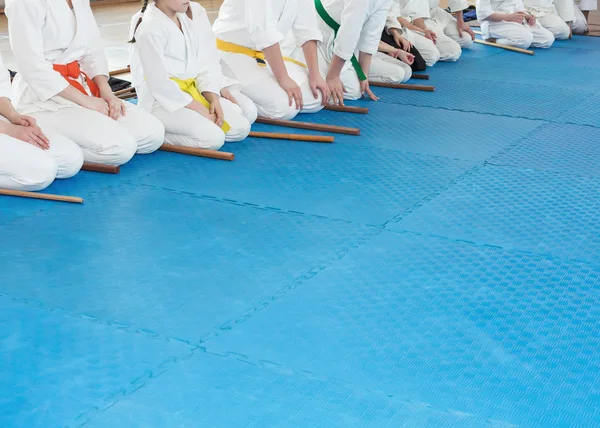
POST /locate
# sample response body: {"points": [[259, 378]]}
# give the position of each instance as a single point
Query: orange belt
{"points": [[71, 73]]}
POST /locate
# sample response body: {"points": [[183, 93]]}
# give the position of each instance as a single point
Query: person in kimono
{"points": [[348, 54], [508, 23], [449, 34], [579, 14], [548, 17], [63, 81], [259, 40], [31, 158], [400, 27], [182, 83]]}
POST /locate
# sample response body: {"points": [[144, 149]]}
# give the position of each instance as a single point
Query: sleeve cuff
{"points": [[266, 40]]}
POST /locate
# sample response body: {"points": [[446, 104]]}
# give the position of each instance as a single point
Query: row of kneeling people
{"points": [[201, 86]]}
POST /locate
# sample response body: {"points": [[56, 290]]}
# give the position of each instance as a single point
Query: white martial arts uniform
{"points": [[408, 9], [24, 166], [361, 24], [511, 33], [443, 24], [259, 24], [547, 15], [579, 23], [165, 52], [44, 33]]}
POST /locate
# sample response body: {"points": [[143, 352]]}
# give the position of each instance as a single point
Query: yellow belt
{"points": [[189, 86], [259, 56]]}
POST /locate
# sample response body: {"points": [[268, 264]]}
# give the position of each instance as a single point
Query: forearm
{"points": [[407, 24], [73, 95], [8, 111], [419, 24], [310, 55], [102, 82], [275, 61], [459, 17], [385, 48], [497, 17], [364, 59], [211, 97], [335, 68]]}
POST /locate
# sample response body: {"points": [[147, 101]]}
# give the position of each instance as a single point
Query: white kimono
{"points": [[27, 167], [572, 11], [548, 16], [258, 24], [209, 50], [443, 25], [511, 33], [47, 32], [409, 10], [361, 24], [165, 52]]}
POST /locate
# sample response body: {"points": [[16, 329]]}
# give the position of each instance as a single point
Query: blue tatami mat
{"points": [[534, 211], [442, 269], [343, 181], [568, 149], [228, 391], [56, 368], [488, 334], [160, 257]]}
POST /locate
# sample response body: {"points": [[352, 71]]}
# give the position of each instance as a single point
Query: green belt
{"points": [[335, 27]]}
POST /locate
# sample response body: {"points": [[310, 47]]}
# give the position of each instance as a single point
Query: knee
{"points": [[579, 27], [213, 140], [70, 162], [431, 56], [278, 108], [522, 40], [39, 175], [120, 152], [451, 51], [239, 130], [250, 112], [546, 41], [312, 104], [465, 41], [153, 138], [563, 33]]}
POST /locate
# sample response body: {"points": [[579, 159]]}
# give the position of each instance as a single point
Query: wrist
{"points": [[14, 117]]}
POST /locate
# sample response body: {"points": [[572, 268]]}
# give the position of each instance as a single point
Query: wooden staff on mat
{"points": [[120, 71], [125, 91], [508, 48], [205, 153], [99, 167], [293, 137], [420, 76], [403, 86], [45, 196], [347, 109], [312, 126]]}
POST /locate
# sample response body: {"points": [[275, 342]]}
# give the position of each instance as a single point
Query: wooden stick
{"points": [[120, 71], [214, 154], [45, 196], [403, 86], [420, 76], [508, 48], [99, 167], [124, 91], [312, 126], [476, 32], [347, 109], [293, 137]]}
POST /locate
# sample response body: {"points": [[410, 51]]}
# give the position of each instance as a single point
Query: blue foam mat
{"points": [[517, 209], [57, 368], [489, 334], [156, 257], [568, 149], [216, 385], [343, 180], [283, 289]]}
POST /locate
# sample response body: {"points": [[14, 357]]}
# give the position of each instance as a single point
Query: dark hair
{"points": [[144, 7]]}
